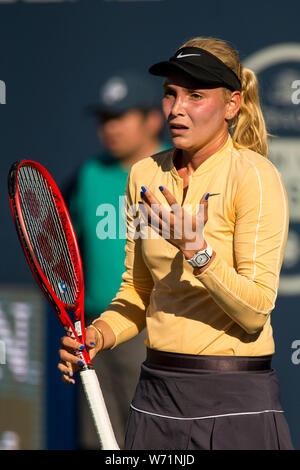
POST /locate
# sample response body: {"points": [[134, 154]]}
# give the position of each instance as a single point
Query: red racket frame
{"points": [[58, 306]]}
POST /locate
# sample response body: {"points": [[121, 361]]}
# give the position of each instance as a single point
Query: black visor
{"points": [[201, 65]]}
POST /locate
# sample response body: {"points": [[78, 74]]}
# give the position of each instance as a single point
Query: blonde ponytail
{"points": [[248, 128]]}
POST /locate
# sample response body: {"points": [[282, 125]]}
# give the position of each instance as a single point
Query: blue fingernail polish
{"points": [[68, 373], [207, 196], [80, 362], [81, 347], [92, 343], [142, 195], [143, 189], [161, 188]]}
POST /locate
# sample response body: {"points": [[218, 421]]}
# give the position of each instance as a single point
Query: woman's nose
{"points": [[178, 106]]}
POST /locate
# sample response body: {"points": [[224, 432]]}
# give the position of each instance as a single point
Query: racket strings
{"points": [[47, 234], [51, 226], [34, 230]]}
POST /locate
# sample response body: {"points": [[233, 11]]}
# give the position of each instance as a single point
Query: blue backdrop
{"points": [[54, 56]]}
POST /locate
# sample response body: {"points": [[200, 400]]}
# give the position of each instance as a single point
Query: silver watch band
{"points": [[201, 258]]}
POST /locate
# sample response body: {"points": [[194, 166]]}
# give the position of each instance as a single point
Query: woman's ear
{"points": [[233, 105]]}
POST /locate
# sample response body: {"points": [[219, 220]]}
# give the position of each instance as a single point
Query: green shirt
{"points": [[100, 181]]}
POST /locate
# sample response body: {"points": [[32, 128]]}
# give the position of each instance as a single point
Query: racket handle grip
{"points": [[98, 409]]}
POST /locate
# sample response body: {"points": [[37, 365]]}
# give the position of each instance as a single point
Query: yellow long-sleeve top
{"points": [[226, 309]]}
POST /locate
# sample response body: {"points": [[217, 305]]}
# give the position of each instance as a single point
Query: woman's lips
{"points": [[177, 128]]}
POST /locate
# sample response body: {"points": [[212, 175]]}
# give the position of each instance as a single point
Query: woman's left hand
{"points": [[178, 226]]}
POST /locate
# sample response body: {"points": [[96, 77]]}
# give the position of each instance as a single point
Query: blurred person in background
{"points": [[129, 127]]}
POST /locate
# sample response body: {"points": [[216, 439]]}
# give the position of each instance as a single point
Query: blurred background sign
{"points": [[22, 376]]}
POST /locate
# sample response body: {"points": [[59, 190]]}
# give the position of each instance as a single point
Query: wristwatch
{"points": [[201, 258]]}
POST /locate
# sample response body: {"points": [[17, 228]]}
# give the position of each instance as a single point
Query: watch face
{"points": [[201, 259]]}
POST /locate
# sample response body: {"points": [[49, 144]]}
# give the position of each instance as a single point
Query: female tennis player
{"points": [[202, 276]]}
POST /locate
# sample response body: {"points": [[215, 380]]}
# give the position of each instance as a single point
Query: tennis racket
{"points": [[49, 242]]}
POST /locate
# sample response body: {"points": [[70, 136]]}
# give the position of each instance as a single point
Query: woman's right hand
{"points": [[69, 361], [95, 341]]}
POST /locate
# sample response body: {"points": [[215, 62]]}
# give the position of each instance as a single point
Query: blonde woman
{"points": [[204, 287]]}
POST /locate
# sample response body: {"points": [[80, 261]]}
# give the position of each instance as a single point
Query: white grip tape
{"points": [[97, 405]]}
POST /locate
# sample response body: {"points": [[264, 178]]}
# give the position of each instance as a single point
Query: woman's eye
{"points": [[196, 96]]}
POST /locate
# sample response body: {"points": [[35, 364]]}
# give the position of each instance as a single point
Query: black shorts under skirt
{"points": [[207, 410]]}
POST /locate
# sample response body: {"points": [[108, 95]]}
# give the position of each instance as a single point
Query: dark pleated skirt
{"points": [[206, 410]]}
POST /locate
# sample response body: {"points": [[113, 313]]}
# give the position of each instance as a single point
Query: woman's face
{"points": [[195, 116]]}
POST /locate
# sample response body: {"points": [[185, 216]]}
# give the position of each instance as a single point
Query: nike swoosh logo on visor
{"points": [[185, 55]]}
